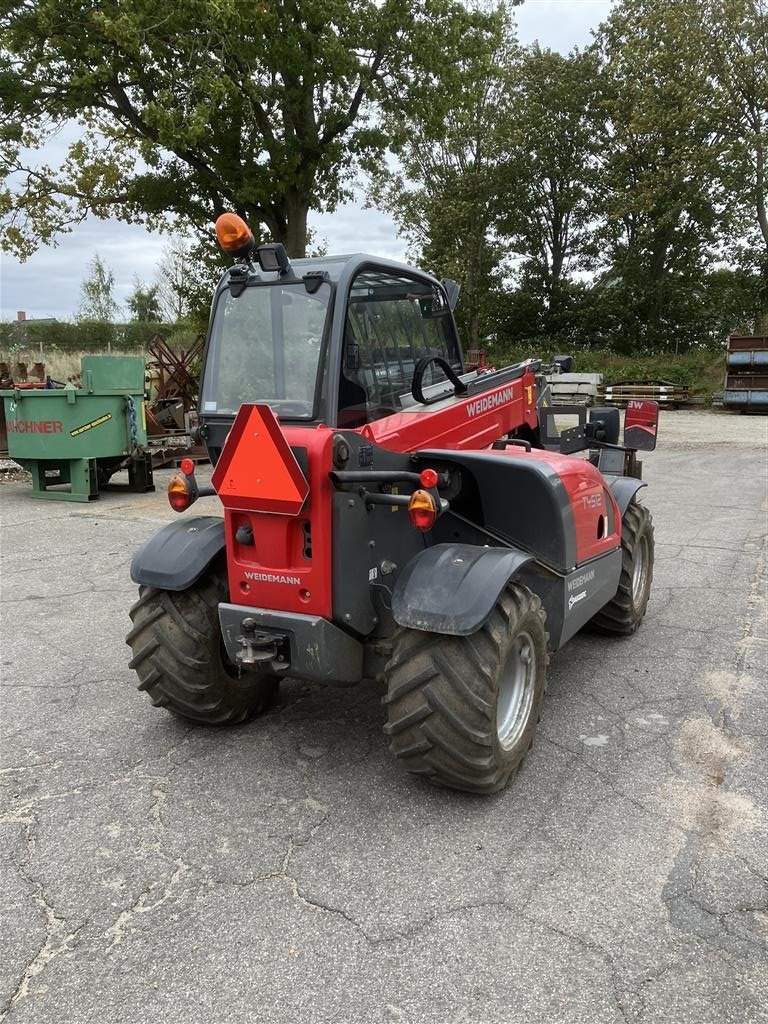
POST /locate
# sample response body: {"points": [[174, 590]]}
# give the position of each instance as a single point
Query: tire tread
{"points": [[620, 617], [441, 698], [176, 653]]}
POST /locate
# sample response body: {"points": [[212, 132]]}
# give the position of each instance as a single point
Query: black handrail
{"points": [[459, 387]]}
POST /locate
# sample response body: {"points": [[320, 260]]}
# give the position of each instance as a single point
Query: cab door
{"points": [[392, 320]]}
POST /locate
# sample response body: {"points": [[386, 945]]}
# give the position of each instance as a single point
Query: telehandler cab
{"points": [[387, 515]]}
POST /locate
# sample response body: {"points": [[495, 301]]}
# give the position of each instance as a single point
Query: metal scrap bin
{"points": [[746, 374], [68, 435]]}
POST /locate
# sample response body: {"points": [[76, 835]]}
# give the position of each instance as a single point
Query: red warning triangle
{"points": [[257, 471]]}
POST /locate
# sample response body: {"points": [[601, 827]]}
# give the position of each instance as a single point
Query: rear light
{"points": [[187, 467], [422, 509], [179, 493], [428, 478]]}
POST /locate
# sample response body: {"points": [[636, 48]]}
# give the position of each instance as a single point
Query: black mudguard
{"points": [[452, 588], [523, 500], [623, 488], [176, 556]]}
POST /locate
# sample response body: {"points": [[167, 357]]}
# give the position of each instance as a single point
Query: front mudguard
{"points": [[623, 488], [453, 588], [177, 556]]}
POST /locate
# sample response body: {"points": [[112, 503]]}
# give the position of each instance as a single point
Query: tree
{"points": [[172, 279], [551, 173], [97, 300], [666, 202], [444, 195], [263, 108], [143, 302], [185, 279], [735, 47], [730, 300]]}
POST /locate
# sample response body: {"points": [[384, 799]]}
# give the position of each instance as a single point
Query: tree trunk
{"points": [[557, 261], [762, 214], [285, 221], [473, 330], [653, 300], [761, 319], [761, 313], [296, 211], [471, 298]]}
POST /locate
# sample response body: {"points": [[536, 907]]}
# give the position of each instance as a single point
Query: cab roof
{"points": [[346, 266]]}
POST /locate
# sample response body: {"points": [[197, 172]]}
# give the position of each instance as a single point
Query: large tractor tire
{"points": [[179, 655], [462, 711], [624, 613]]}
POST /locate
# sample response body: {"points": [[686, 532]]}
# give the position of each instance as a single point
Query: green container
{"points": [[60, 430]]}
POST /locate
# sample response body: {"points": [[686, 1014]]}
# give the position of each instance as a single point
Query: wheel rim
{"points": [[639, 570], [516, 691]]}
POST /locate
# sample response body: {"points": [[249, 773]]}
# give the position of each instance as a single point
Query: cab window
{"points": [[392, 321]]}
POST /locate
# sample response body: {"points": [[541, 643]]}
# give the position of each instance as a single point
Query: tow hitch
{"points": [[261, 649]]}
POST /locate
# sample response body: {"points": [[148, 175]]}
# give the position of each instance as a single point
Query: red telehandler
{"points": [[387, 515]]}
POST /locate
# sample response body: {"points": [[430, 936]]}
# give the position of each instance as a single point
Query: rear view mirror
{"points": [[452, 289], [641, 424]]}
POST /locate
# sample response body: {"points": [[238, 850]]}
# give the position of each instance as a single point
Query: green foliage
{"points": [[664, 193], [97, 300], [79, 337], [703, 372], [734, 46], [551, 175], [263, 107], [182, 337], [446, 195], [186, 277], [586, 200], [143, 302], [668, 133], [591, 316]]}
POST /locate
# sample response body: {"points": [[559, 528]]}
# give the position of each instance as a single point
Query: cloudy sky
{"points": [[48, 284]]}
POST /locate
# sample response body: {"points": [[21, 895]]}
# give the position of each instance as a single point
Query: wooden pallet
{"points": [[665, 392]]}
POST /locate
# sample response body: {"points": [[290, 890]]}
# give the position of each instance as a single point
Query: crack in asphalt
{"points": [[157, 785], [19, 768], [417, 928], [123, 922], [652, 812], [60, 594], [56, 941]]}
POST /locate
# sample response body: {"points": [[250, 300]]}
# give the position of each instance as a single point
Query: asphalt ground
{"points": [[288, 871]]}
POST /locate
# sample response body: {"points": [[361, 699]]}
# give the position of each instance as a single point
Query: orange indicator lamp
{"points": [[422, 510], [179, 493]]}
